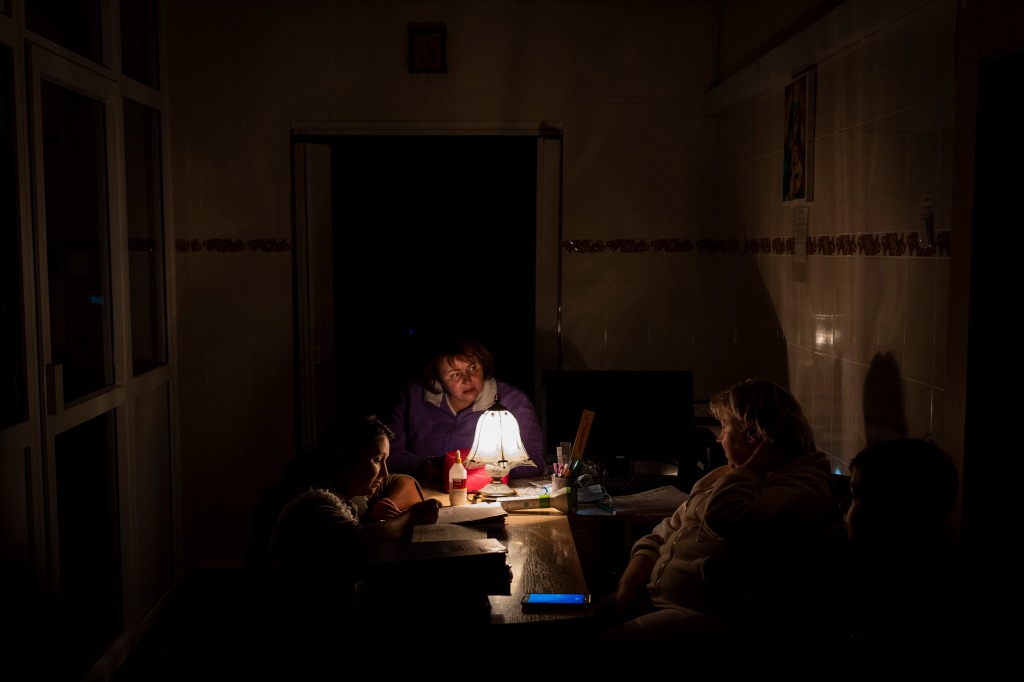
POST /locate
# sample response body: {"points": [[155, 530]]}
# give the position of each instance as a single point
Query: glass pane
{"points": [[74, 25], [12, 322], [78, 246], [139, 47], [145, 236], [88, 542]]}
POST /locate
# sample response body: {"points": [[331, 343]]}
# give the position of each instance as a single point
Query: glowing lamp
{"points": [[497, 446]]}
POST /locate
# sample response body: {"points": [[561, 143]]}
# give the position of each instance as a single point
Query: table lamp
{"points": [[498, 446]]}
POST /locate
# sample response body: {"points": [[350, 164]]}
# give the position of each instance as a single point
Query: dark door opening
{"points": [[433, 234]]}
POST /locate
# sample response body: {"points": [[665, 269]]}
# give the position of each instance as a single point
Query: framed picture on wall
{"points": [[798, 152], [428, 47]]}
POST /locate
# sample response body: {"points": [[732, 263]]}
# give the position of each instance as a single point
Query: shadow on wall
{"points": [[885, 416], [569, 356], [746, 337]]}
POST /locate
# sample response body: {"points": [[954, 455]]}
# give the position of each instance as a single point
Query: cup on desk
{"points": [[569, 485]]}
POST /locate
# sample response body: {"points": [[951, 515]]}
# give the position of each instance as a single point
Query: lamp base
{"points": [[497, 489]]}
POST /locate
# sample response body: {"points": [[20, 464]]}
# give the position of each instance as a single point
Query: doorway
{"points": [[407, 231], [433, 235]]}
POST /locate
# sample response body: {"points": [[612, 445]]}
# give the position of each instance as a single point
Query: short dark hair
{"points": [[459, 348], [350, 436]]}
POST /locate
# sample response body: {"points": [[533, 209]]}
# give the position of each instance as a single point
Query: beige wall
{"points": [[630, 84]]}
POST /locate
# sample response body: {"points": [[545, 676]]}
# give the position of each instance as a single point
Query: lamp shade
{"points": [[498, 446]]}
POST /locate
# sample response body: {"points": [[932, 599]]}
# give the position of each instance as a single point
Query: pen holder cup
{"points": [[570, 485]]}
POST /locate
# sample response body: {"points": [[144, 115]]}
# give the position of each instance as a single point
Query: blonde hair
{"points": [[762, 407]]}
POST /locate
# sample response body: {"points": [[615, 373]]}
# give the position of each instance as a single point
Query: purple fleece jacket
{"points": [[425, 427]]}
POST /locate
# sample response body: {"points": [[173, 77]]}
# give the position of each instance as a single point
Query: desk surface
{"points": [[543, 558]]}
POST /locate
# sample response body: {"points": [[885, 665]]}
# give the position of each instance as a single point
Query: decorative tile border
{"points": [[232, 245], [881, 244], [626, 245]]}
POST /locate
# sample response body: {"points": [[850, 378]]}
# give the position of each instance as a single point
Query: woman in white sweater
{"points": [[753, 543]]}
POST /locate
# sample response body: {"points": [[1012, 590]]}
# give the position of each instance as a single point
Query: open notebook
{"points": [[482, 513]]}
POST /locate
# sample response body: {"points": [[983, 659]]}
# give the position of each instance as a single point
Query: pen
{"points": [[607, 507]]}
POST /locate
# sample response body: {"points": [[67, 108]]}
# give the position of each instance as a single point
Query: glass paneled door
{"points": [[89, 495], [75, 146], [106, 464]]}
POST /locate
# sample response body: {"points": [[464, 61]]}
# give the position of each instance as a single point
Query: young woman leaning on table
{"points": [[311, 529]]}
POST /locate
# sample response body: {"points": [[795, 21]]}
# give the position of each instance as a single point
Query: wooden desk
{"points": [[603, 543], [542, 556]]}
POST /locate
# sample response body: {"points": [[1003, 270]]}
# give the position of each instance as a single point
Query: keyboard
{"points": [[630, 484]]}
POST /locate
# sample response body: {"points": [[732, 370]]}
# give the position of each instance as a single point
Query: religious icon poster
{"points": [[798, 152]]}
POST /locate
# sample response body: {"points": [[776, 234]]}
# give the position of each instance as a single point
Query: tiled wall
{"points": [[865, 320], [858, 330]]}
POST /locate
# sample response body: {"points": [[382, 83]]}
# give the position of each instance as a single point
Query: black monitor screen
{"points": [[638, 415]]}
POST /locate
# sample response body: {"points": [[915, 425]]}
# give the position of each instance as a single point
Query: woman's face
{"points": [[369, 470], [463, 381], [738, 444]]}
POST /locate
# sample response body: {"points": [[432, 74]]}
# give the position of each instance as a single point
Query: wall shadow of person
{"points": [[885, 415]]}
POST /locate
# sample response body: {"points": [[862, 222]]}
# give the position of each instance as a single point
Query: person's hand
{"points": [[433, 470], [626, 597], [385, 508], [628, 592], [768, 457], [425, 512]]}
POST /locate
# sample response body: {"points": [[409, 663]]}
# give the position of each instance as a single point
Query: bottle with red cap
{"points": [[457, 482]]}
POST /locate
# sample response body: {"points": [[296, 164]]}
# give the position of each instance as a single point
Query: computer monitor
{"points": [[639, 415]]}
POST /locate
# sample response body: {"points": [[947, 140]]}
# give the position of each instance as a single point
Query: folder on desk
{"points": [[481, 566]]}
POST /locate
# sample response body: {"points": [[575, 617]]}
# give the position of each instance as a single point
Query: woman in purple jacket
{"points": [[439, 413]]}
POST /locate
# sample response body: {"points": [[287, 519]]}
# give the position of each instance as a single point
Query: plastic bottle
{"points": [[457, 482]]}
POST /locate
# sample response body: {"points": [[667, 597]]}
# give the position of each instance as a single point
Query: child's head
{"points": [[349, 443], [899, 487]]}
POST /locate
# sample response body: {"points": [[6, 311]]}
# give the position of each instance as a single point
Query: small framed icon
{"points": [[428, 47]]}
